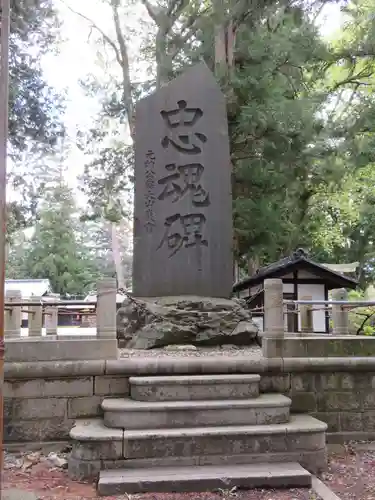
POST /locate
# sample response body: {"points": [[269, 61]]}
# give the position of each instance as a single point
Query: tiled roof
{"points": [[299, 258]]}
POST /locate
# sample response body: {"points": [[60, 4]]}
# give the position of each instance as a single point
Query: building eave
{"points": [[333, 278]]}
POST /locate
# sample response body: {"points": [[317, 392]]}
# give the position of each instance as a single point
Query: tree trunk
{"points": [[116, 254], [252, 265]]}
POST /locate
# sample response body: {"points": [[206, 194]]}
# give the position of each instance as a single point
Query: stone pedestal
{"points": [[201, 321]]}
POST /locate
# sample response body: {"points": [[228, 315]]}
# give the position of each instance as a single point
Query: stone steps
{"points": [[190, 433], [302, 433], [208, 478], [194, 387], [129, 414], [96, 446]]}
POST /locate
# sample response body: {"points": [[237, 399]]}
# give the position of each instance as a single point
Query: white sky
{"points": [[77, 58]]}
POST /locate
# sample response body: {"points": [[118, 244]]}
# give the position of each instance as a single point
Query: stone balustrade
{"points": [[306, 343], [35, 344], [44, 313], [275, 309]]}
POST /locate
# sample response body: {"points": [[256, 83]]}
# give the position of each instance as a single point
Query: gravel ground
{"points": [[191, 351], [46, 476], [54, 485], [351, 472]]}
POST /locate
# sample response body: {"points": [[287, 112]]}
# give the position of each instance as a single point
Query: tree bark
{"points": [[116, 253]]}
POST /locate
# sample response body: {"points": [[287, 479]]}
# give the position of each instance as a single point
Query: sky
{"points": [[77, 58]]}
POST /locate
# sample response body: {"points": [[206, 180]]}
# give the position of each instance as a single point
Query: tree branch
{"points": [[353, 80], [126, 83], [98, 29], [368, 316], [192, 24], [151, 11]]}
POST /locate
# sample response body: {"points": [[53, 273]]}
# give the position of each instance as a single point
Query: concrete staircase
{"points": [[196, 433]]}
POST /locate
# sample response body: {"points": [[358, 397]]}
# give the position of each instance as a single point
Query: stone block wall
{"points": [[44, 409], [344, 400], [42, 400]]}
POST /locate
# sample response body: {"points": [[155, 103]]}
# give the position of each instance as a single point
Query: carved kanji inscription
{"points": [[183, 218]]}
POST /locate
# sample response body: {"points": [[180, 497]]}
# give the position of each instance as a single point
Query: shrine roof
{"points": [[299, 260]]}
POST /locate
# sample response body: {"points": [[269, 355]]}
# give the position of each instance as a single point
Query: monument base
{"points": [[52, 349], [201, 321]]}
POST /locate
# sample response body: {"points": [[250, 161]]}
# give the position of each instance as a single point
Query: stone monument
{"points": [[183, 264], [183, 204]]}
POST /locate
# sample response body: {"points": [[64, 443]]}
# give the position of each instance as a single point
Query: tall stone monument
{"points": [[183, 202]]}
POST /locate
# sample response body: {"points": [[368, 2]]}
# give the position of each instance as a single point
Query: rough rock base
{"points": [[199, 321]]}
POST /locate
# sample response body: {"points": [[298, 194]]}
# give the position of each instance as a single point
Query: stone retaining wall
{"points": [[43, 399]]}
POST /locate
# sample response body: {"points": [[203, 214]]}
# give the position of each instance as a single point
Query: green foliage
{"points": [[53, 251], [361, 319], [301, 113], [35, 109], [277, 137]]}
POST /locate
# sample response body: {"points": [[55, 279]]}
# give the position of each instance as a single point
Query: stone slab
{"points": [[322, 490], [301, 433], [53, 369], [15, 494], [108, 385], [85, 407], [130, 414], [180, 365], [208, 478], [35, 408], [92, 441], [51, 429], [314, 461], [194, 387], [183, 232], [49, 388], [319, 346], [94, 430], [47, 349]]}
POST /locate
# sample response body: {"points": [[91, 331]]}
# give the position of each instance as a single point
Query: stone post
{"points": [[340, 316], [35, 318], [273, 308], [273, 318], [291, 315], [13, 315], [306, 315], [50, 320], [106, 308]]}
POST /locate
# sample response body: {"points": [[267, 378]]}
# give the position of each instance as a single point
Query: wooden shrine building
{"points": [[302, 277]]}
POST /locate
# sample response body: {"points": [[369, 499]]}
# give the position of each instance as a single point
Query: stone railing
{"points": [[276, 309], [306, 343], [52, 345], [338, 309]]}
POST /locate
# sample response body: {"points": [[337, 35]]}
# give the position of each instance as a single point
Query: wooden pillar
{"points": [[35, 318], [106, 308], [13, 316], [340, 316]]}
